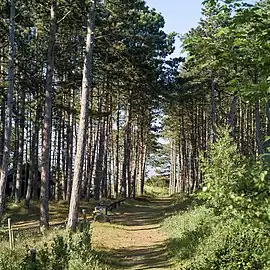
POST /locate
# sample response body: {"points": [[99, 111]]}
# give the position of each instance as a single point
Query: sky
{"points": [[180, 15]]}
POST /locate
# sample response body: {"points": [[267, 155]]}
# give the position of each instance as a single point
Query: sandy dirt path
{"points": [[133, 239]]}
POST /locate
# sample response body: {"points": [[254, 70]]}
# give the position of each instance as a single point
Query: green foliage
{"points": [[233, 184], [202, 240], [68, 251], [157, 181], [187, 231], [230, 230], [156, 185], [60, 254], [10, 260]]}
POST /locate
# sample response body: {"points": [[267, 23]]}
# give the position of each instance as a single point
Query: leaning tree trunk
{"points": [[81, 142], [8, 119], [46, 140]]}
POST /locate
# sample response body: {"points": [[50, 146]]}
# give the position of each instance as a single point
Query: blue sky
{"points": [[180, 15]]}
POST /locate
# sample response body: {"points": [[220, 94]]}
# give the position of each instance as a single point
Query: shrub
{"points": [[232, 183], [157, 181], [202, 240], [68, 251], [231, 230]]}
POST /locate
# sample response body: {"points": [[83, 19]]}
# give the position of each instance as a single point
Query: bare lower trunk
{"points": [[20, 152], [232, 116], [86, 88], [213, 103], [8, 119], [258, 128], [46, 140], [32, 182], [268, 117], [116, 185], [99, 179], [69, 157], [2, 136], [91, 169]]}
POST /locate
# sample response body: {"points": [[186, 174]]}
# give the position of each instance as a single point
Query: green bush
{"points": [[68, 251], [233, 245], [202, 240], [157, 181], [234, 184], [230, 231]]}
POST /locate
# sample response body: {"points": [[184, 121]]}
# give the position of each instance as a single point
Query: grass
{"points": [[132, 239], [156, 191], [200, 239], [23, 218]]}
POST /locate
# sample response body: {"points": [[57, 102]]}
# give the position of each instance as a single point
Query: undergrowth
{"points": [[65, 251], [156, 186], [229, 228]]}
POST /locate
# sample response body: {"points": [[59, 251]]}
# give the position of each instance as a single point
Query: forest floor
{"points": [[134, 239], [24, 219]]}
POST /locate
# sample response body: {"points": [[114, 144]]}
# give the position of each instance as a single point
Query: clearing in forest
{"points": [[133, 239]]}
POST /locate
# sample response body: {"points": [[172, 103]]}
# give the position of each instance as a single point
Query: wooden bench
{"points": [[103, 206]]}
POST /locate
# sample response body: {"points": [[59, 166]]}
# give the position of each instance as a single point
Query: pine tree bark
{"points": [[20, 150], [214, 113], [258, 128], [81, 143], [8, 119], [268, 116], [32, 190], [116, 184], [2, 135], [232, 116], [46, 140]]}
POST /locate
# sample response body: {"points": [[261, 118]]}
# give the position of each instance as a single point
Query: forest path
{"points": [[133, 239]]}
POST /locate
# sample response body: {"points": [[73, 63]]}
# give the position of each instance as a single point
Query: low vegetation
{"points": [[229, 228], [57, 249], [156, 186]]}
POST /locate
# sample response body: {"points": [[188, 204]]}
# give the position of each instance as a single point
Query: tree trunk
{"points": [[231, 117], [46, 140], [116, 184], [214, 113], [2, 136], [8, 119], [58, 174], [258, 128], [32, 187], [268, 116], [86, 88], [99, 179], [93, 156], [15, 155], [20, 151], [69, 158]]}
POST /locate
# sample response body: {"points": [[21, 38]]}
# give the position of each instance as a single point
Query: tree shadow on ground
{"points": [[185, 247], [153, 257], [137, 213], [142, 217]]}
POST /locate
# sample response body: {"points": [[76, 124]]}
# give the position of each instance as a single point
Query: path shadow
{"points": [[141, 217], [133, 213], [141, 258]]}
